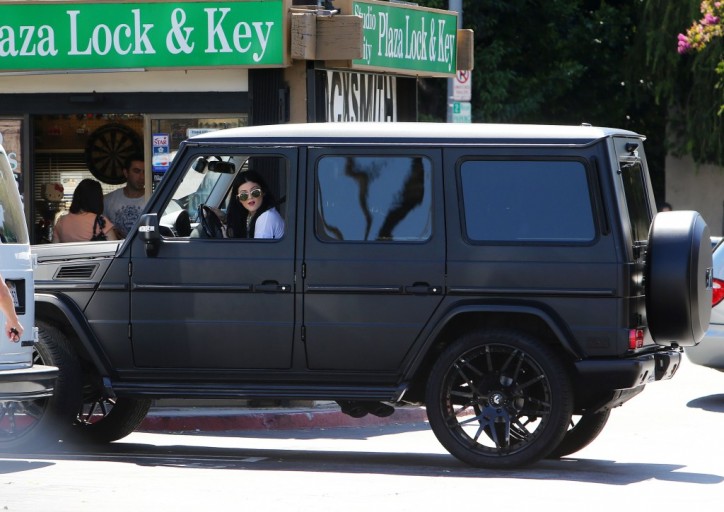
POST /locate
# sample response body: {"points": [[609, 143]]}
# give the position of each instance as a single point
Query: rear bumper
{"points": [[610, 374], [27, 383]]}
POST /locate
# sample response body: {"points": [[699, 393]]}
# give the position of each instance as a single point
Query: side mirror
{"points": [[149, 233]]}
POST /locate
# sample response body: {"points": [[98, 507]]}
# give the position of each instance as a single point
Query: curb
{"points": [[204, 419]]}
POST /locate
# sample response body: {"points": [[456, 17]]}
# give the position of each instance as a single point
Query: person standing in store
{"points": [[84, 221], [124, 206], [13, 329]]}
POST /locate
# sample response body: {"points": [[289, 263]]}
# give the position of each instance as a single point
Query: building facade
{"points": [[84, 84]]}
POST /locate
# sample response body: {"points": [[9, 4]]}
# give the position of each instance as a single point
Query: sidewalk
{"points": [[219, 419]]}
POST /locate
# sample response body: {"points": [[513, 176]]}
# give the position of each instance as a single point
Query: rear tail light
{"points": [[635, 338], [717, 291]]}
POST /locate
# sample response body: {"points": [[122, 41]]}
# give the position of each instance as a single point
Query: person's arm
{"points": [[13, 329], [111, 232]]}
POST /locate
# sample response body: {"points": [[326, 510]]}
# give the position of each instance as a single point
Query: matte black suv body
{"points": [[507, 277]]}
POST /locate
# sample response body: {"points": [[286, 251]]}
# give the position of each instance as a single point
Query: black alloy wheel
{"points": [[499, 399]]}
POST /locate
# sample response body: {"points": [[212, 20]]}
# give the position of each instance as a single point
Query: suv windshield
{"points": [[12, 221]]}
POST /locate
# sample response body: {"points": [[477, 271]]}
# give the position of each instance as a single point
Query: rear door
{"points": [[374, 257]]}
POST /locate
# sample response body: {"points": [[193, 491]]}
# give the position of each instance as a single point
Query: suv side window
{"points": [[632, 175], [371, 198], [12, 219], [526, 201], [212, 180]]}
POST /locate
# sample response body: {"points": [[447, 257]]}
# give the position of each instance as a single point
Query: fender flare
{"points": [[555, 327], [76, 320]]}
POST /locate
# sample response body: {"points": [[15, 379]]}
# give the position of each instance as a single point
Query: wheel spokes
{"points": [[500, 392]]}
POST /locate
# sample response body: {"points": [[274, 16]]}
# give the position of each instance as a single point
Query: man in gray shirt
{"points": [[124, 206]]}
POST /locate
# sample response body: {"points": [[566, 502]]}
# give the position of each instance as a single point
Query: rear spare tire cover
{"points": [[678, 278]]}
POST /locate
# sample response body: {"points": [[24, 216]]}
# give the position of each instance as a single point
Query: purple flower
{"points": [[710, 19], [684, 44]]}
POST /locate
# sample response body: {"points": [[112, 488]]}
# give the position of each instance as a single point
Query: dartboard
{"points": [[107, 150]]}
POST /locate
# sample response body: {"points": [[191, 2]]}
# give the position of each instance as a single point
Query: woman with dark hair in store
{"points": [[252, 209], [85, 221]]}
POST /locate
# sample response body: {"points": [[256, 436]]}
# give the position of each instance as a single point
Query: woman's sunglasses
{"points": [[244, 196]]}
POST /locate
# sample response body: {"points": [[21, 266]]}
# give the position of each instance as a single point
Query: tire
{"points": [[678, 278], [36, 424], [104, 420], [582, 432], [499, 399]]}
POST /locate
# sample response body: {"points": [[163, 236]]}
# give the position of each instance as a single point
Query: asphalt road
{"points": [[662, 451]]}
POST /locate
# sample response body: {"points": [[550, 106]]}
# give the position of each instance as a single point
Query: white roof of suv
{"points": [[417, 132]]}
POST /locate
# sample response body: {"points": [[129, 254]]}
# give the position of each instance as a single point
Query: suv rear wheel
{"points": [[498, 399]]}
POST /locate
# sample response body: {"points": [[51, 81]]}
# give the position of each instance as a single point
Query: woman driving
{"points": [[252, 212]]}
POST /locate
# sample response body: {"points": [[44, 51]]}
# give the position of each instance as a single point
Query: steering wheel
{"points": [[211, 226]]}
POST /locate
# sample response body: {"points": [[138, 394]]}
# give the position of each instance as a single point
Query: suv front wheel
{"points": [[499, 399]]}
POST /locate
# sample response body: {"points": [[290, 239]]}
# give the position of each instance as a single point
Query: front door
{"points": [[374, 257], [205, 300]]}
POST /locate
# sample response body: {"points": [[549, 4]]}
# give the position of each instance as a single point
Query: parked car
{"points": [[23, 384], [710, 351], [511, 278]]}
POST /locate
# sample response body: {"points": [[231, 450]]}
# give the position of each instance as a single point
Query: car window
{"points": [[212, 181], [12, 219], [373, 199], [632, 176], [525, 201]]}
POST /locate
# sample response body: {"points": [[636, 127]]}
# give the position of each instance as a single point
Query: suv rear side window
{"points": [[527, 201], [636, 203], [371, 198]]}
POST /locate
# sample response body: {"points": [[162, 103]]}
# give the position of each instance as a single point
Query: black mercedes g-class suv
{"points": [[514, 279]]}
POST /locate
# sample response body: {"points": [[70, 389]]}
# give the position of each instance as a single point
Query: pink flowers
{"points": [[701, 32]]}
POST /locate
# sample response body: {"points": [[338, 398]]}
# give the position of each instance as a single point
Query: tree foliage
{"points": [[687, 85], [558, 61]]}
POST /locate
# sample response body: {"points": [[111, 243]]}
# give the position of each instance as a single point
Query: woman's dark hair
{"points": [[87, 197], [236, 213]]}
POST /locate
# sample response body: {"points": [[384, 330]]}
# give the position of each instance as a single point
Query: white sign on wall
{"points": [[356, 97]]}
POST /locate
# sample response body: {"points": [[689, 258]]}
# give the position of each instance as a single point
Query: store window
{"points": [[71, 147], [167, 133]]}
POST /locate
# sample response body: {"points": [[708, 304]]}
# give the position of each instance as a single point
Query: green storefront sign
{"points": [[406, 38], [90, 36]]}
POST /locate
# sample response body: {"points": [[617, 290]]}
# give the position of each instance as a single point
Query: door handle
{"points": [[272, 287], [423, 289]]}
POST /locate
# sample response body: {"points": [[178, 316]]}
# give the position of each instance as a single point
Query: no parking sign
{"points": [[462, 85]]}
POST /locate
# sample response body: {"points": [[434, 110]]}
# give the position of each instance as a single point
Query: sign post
{"points": [[454, 85]]}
